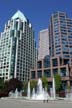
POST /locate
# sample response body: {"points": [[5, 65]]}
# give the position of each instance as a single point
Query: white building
{"points": [[43, 48], [17, 48]]}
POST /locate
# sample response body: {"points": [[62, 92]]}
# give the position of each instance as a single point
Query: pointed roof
{"points": [[20, 15]]}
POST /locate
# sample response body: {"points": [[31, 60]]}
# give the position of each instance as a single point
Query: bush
{"points": [[61, 93], [3, 94], [12, 84]]}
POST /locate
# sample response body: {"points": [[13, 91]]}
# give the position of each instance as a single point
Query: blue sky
{"points": [[37, 11]]}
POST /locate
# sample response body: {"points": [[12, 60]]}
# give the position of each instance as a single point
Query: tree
{"points": [[45, 82], [12, 84], [1, 84], [25, 86], [33, 84], [58, 82]]}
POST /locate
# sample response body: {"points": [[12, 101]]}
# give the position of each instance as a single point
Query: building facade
{"points": [[43, 48], [17, 48], [59, 60], [49, 66], [60, 35]]}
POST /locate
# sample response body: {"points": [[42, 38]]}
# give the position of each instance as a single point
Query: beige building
{"points": [[49, 66], [43, 48], [60, 35]]}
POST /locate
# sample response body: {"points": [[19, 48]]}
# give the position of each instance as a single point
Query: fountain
{"points": [[40, 94], [28, 91], [68, 94], [54, 91], [15, 94], [33, 94]]}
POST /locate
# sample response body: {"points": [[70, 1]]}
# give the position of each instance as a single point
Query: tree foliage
{"points": [[2, 85], [25, 86], [58, 82], [45, 82], [12, 84], [33, 84]]}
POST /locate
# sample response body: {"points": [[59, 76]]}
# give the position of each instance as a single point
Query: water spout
{"points": [[28, 91], [54, 91]]}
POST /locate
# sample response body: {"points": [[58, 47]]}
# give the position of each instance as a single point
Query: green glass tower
{"points": [[17, 48]]}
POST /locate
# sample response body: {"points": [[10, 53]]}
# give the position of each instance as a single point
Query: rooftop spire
{"points": [[20, 15]]}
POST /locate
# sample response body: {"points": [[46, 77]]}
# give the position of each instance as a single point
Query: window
{"points": [[12, 33], [33, 75], [55, 62], [46, 62], [21, 25], [63, 72], [39, 74], [39, 64], [55, 71], [47, 73]]}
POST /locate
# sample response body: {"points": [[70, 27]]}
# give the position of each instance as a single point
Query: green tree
{"points": [[33, 84], [45, 82], [25, 86], [58, 82], [12, 84], [2, 85]]}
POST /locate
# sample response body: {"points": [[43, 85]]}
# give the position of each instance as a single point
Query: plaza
{"points": [[20, 103]]}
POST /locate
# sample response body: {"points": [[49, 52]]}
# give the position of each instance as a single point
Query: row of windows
{"points": [[47, 73], [47, 63]]}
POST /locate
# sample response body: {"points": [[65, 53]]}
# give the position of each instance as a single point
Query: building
{"points": [[43, 48], [60, 35], [17, 48], [49, 66], [60, 49]]}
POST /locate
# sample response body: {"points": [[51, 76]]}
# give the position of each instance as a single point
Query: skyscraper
{"points": [[43, 48], [59, 60], [60, 35], [17, 48]]}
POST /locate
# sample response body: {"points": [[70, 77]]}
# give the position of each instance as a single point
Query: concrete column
{"points": [[58, 59], [42, 68], [68, 83], [51, 68]]}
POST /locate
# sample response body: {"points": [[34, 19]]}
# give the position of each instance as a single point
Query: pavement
{"points": [[20, 103]]}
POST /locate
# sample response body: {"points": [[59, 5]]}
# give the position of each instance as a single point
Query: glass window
{"points": [[39, 74], [21, 25], [39, 64], [63, 72], [55, 71], [55, 62], [12, 33], [47, 73], [33, 75], [46, 63]]}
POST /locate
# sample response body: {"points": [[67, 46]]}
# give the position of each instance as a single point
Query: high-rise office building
{"points": [[60, 35], [43, 48], [17, 48], [60, 51]]}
